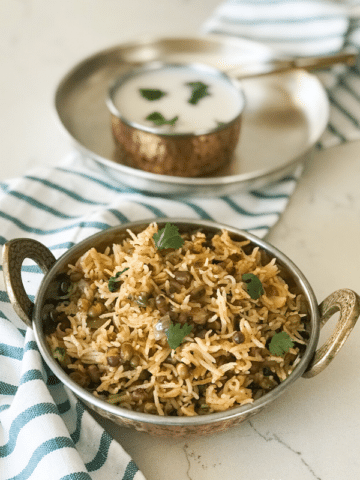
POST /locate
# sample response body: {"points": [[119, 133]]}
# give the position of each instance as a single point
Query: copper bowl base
{"points": [[176, 155]]}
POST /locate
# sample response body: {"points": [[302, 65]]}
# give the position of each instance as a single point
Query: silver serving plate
{"points": [[285, 115]]}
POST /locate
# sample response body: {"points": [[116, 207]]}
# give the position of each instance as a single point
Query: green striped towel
{"points": [[305, 28], [45, 432], [43, 427]]}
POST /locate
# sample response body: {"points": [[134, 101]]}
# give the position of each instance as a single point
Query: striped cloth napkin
{"points": [[45, 432], [305, 28], [43, 427]]}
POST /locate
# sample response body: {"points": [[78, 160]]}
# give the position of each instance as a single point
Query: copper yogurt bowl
{"points": [[314, 359], [185, 154]]}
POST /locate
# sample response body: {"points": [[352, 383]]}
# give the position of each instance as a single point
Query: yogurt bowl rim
{"points": [[157, 65]]}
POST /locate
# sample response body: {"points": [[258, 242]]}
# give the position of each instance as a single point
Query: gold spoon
{"points": [[345, 57]]}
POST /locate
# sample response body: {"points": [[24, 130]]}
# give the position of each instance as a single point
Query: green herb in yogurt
{"points": [[199, 91], [160, 120], [151, 94]]}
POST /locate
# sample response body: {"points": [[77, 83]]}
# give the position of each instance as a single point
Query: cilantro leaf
{"points": [[151, 93], [114, 282], [253, 285], [280, 344], [61, 356], [175, 334], [159, 119], [168, 237], [199, 91]]}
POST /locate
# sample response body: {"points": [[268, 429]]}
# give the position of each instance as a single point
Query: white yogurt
{"points": [[223, 103]]}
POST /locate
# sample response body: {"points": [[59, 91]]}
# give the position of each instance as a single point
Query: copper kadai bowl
{"points": [[180, 154], [313, 361]]}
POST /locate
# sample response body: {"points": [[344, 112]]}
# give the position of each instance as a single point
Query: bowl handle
{"points": [[14, 253], [348, 303]]}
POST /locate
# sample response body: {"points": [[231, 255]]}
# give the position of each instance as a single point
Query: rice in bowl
{"points": [[111, 317]]}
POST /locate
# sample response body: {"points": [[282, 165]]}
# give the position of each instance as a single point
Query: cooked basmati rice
{"points": [[112, 348]]}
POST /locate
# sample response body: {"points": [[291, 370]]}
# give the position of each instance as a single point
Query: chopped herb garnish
{"points": [[253, 285], [199, 91], [61, 356], [114, 282], [176, 334], [280, 344], [151, 94], [168, 237], [159, 119]]}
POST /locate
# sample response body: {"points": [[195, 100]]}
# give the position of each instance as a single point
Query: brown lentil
{"points": [[162, 304], [83, 304], [112, 357], [197, 293], [182, 277], [184, 317], [126, 352], [174, 286], [150, 407], [215, 325], [271, 291], [201, 333], [139, 394], [238, 337], [63, 321], [135, 361], [199, 316], [94, 373], [76, 275], [96, 310], [182, 370], [96, 322], [294, 318], [81, 378]]}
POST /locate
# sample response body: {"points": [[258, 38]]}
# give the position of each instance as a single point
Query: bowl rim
{"points": [[169, 421], [157, 65]]}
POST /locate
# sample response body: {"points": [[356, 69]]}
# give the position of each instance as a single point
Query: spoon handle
{"points": [[345, 57]]}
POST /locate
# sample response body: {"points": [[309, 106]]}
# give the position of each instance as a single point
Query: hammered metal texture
{"points": [[347, 303], [14, 253], [182, 155], [175, 431], [345, 300]]}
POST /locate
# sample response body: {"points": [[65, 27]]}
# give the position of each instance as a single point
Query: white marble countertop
{"points": [[313, 431]]}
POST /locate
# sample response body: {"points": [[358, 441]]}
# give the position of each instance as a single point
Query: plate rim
{"points": [[168, 180]]}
